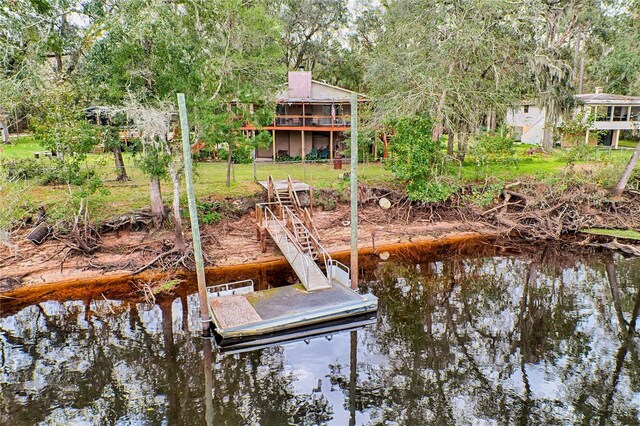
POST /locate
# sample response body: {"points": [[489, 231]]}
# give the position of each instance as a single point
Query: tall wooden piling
{"points": [[354, 191], [193, 214]]}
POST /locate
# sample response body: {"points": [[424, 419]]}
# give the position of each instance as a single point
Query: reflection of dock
{"points": [[305, 333], [324, 294]]}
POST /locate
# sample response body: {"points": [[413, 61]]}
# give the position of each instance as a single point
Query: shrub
{"points": [[22, 169], [210, 212], [55, 172], [413, 156], [493, 148]]}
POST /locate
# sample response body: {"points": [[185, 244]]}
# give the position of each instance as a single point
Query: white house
{"points": [[614, 113]]}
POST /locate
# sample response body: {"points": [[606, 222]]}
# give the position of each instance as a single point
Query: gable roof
{"points": [[321, 92], [608, 99]]}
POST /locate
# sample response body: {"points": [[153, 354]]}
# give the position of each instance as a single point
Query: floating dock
{"points": [[238, 312]]}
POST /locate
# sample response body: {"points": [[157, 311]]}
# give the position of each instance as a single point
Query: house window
{"points": [[526, 109], [620, 113], [635, 113], [602, 113], [280, 109]]}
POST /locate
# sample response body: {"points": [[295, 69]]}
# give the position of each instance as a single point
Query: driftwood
{"points": [[136, 220], [625, 248]]}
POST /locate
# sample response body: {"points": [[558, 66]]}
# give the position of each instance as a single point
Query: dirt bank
{"points": [[527, 210], [230, 242], [125, 287]]}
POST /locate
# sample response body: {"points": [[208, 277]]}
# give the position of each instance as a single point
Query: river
{"points": [[546, 337]]}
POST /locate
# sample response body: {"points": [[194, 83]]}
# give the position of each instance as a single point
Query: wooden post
{"points": [[255, 172], [273, 142], [193, 214], [311, 196], [304, 155], [354, 191], [331, 145]]}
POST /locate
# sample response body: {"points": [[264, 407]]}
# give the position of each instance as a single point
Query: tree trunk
{"points": [[549, 123], [157, 208], [5, 132], [229, 167], [122, 172], [177, 218], [4, 118], [463, 142], [626, 174], [451, 140]]}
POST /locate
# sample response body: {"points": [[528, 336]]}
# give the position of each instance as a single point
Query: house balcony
{"points": [[307, 122]]}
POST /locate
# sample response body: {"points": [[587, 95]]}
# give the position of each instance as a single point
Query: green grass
{"points": [[628, 234], [210, 178], [627, 144]]}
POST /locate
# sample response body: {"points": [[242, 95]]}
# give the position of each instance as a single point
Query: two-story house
{"points": [[311, 118], [613, 114]]}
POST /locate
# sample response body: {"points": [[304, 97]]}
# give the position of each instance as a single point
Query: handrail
{"points": [[292, 193], [288, 235], [270, 187], [321, 250]]}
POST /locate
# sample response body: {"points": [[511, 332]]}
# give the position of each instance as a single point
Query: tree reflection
{"points": [[529, 340]]}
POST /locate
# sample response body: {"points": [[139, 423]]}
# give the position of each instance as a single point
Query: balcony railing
{"points": [[312, 121]]}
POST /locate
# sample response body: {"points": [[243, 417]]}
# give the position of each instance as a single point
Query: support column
{"points": [[273, 142], [331, 145], [302, 146], [586, 138], [616, 138]]}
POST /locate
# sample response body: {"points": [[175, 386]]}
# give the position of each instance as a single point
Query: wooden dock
{"points": [[324, 293]]}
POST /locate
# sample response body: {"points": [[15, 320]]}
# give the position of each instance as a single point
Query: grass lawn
{"points": [[210, 178], [627, 144]]}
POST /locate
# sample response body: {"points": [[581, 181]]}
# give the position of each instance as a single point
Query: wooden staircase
{"points": [[291, 227]]}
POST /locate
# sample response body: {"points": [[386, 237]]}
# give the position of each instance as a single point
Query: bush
{"points": [[55, 172], [413, 156], [22, 169], [210, 212], [493, 148]]}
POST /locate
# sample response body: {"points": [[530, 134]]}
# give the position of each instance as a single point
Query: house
{"points": [[613, 114], [310, 117]]}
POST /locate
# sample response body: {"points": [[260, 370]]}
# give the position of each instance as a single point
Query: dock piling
{"points": [[193, 214]]}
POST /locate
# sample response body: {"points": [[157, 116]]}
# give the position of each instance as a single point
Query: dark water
{"points": [[546, 338]]}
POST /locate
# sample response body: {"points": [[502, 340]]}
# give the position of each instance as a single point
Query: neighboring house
{"points": [[613, 113], [310, 117]]}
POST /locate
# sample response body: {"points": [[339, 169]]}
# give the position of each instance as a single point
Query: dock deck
{"points": [[284, 308], [284, 184]]}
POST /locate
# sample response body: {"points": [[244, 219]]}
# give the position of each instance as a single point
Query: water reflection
{"points": [[533, 340]]}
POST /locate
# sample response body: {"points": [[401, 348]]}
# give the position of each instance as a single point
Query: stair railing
{"points": [[281, 230], [304, 212], [320, 249]]}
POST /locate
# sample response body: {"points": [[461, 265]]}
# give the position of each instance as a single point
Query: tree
{"points": [[456, 61], [310, 30], [154, 125], [618, 61], [626, 174]]}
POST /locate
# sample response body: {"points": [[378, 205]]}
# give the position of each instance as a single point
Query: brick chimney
{"points": [[299, 84], [599, 89]]}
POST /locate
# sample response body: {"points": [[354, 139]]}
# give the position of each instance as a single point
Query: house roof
{"points": [[321, 92], [608, 99]]}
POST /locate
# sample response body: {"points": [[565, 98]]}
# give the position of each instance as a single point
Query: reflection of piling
{"points": [[208, 381], [353, 359]]}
